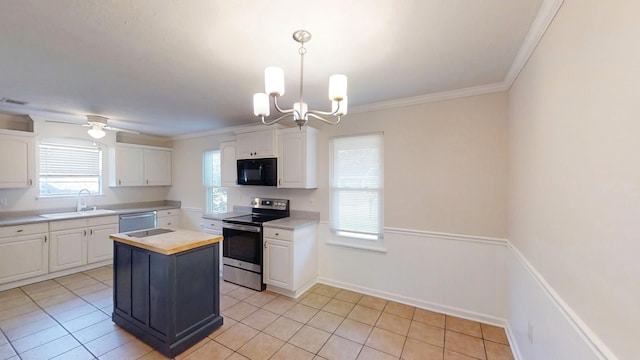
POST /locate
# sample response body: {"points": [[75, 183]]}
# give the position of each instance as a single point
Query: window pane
{"points": [[66, 169], [357, 184], [216, 197], [359, 211], [217, 200]]}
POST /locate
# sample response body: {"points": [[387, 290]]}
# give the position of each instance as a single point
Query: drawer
{"points": [[211, 224], [280, 234], [170, 212], [27, 229], [103, 220], [68, 224]]}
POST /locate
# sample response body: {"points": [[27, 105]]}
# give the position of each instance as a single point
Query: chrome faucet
{"points": [[83, 206]]}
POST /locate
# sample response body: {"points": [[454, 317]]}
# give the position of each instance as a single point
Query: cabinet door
{"points": [[278, 258], [265, 143], [68, 249], [291, 160], [129, 167], [23, 257], [297, 158], [99, 246], [157, 167], [245, 146], [228, 163], [258, 144], [16, 161]]}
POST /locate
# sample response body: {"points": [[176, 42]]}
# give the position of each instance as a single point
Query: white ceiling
{"points": [[170, 67]]}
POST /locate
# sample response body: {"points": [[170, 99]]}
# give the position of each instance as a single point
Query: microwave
{"points": [[262, 172]]}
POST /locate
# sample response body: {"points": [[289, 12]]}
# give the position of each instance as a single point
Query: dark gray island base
{"points": [[167, 294]]}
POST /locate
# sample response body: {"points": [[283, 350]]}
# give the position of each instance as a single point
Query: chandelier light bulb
{"points": [[337, 87], [274, 81], [261, 104]]}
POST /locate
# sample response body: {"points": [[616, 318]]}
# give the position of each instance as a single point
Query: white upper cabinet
{"points": [[257, 144], [126, 166], [228, 164], [297, 158], [157, 167], [17, 161], [139, 166]]}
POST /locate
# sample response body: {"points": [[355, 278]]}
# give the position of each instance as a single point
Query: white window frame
{"points": [[365, 240], [211, 182], [69, 144]]}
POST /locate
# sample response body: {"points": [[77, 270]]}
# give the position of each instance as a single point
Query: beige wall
{"points": [[574, 184], [445, 166]]}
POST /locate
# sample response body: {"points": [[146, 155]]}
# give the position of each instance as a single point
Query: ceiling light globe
{"points": [[261, 104], [96, 132]]}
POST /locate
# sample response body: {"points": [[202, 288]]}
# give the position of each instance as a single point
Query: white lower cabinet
{"points": [[99, 246], [277, 266], [168, 218], [79, 242], [290, 258], [24, 252]]}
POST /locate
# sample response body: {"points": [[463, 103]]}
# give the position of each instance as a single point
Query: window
{"points": [[356, 186], [67, 168], [216, 201]]}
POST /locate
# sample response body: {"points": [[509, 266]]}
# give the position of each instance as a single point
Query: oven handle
{"points": [[255, 229]]}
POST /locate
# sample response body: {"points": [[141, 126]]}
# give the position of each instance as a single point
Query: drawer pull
{"points": [[45, 238], [21, 230]]}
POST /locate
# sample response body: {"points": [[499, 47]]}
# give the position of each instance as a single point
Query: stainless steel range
{"points": [[242, 245]]}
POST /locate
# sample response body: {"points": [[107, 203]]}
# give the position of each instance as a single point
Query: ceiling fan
{"points": [[98, 125]]}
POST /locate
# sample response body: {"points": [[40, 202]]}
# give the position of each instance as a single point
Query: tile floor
{"points": [[69, 318]]}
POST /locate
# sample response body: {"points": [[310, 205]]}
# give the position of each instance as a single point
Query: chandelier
{"points": [[274, 88]]}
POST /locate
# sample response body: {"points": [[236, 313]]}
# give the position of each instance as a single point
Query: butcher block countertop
{"points": [[168, 243]]}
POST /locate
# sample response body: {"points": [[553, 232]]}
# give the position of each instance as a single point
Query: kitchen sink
{"points": [[75, 214]]}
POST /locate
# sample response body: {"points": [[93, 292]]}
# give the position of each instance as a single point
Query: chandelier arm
{"points": [[323, 119], [284, 111], [275, 120], [318, 112]]}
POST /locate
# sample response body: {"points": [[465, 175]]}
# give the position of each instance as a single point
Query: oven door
{"points": [[242, 246]]}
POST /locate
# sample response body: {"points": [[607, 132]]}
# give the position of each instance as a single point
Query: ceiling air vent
{"points": [[13, 101]]}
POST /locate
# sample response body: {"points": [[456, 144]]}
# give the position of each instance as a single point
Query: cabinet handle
{"points": [[147, 181], [30, 182], [119, 182], [279, 181], [168, 224], [277, 234], [21, 230], [45, 238], [85, 233], [90, 231], [265, 244]]}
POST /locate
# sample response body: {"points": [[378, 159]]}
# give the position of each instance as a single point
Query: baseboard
{"points": [[444, 309]]}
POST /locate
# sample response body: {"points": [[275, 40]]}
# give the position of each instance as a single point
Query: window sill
{"points": [[371, 248]]}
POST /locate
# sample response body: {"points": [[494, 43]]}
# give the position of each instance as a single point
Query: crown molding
{"points": [[546, 14], [428, 98]]}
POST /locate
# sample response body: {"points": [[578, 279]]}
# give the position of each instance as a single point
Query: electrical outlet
{"points": [[530, 332]]}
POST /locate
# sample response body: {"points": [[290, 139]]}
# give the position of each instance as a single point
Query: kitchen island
{"points": [[166, 287]]}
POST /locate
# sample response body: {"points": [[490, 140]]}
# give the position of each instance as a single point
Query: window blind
{"points": [[66, 169], [357, 186]]}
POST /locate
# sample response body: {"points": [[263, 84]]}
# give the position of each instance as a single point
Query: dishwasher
{"points": [[137, 221]]}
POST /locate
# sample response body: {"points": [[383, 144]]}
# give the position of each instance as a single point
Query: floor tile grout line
{"points": [[10, 344], [61, 325]]}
